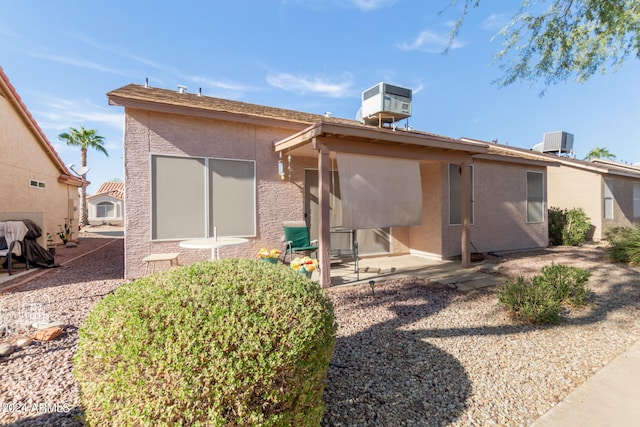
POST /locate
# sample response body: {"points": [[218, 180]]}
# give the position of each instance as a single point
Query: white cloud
{"points": [[365, 5], [428, 41], [372, 4], [59, 114], [317, 85], [231, 89], [494, 22], [77, 62]]}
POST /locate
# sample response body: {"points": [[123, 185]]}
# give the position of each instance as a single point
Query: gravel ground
{"points": [[412, 353], [37, 385], [417, 353]]}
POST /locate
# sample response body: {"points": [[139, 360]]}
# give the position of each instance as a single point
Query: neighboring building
{"points": [[195, 164], [107, 205], [607, 191], [36, 184]]}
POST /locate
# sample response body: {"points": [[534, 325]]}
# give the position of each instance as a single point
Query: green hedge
{"points": [[230, 342]]}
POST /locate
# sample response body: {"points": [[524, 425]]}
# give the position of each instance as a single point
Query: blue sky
{"points": [[309, 55]]}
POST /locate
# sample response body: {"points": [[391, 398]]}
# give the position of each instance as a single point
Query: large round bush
{"points": [[230, 342]]}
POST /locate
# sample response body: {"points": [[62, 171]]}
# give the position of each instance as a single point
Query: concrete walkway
{"points": [[609, 398], [394, 267]]}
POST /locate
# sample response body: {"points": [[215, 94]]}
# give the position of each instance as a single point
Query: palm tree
{"points": [[84, 138], [600, 153]]}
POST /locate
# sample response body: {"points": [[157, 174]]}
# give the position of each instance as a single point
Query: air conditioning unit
{"points": [[557, 142], [385, 103]]}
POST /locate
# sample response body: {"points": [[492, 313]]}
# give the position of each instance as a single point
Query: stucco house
{"points": [[607, 191], [107, 205], [195, 164], [36, 184]]}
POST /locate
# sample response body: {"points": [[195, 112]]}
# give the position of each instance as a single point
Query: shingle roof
{"points": [[133, 92]]}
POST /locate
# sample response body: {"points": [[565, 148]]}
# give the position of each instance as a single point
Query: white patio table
{"points": [[213, 243]]}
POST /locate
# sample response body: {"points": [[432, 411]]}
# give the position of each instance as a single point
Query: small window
{"points": [[535, 197], [636, 200], [37, 184], [608, 200]]}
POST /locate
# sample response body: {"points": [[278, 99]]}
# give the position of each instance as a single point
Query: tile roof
{"points": [[112, 188]]}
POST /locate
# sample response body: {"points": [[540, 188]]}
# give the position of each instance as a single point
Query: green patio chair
{"points": [[296, 238]]}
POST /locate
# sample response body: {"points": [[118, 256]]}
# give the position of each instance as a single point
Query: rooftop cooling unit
{"points": [[557, 142], [385, 103]]}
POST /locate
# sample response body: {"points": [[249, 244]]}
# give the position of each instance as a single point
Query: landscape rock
{"points": [[24, 342], [48, 334], [6, 349]]}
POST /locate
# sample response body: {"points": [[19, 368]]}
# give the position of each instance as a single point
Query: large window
{"points": [[608, 201], [191, 196], [535, 197], [455, 194], [105, 210]]}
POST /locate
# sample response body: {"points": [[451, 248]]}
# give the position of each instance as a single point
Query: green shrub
{"points": [[230, 342], [540, 299], [568, 227], [575, 227], [557, 219], [624, 244]]}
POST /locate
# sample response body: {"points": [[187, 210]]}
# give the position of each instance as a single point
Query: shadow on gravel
{"points": [[387, 376], [59, 416]]}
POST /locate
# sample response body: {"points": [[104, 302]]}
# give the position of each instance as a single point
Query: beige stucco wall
{"points": [[426, 239], [22, 158], [570, 188], [500, 216], [623, 215], [150, 133]]}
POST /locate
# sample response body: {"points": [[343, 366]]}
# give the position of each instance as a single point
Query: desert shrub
{"points": [[575, 227], [230, 342], [557, 219], [540, 299], [568, 227], [624, 244]]}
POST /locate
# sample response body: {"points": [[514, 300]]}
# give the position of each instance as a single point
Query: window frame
{"points": [[528, 200], [607, 196], [205, 220], [636, 200]]}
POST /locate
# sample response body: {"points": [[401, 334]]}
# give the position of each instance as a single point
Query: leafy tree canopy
{"points": [[600, 153], [553, 40]]}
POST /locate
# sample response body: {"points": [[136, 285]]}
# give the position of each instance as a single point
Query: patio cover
{"points": [[330, 136], [379, 191]]}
